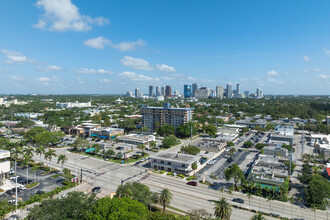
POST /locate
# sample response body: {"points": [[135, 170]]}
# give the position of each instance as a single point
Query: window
{"points": [[162, 162], [169, 163], [169, 169], [183, 165], [155, 161]]}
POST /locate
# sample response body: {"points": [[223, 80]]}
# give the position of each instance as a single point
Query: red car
{"points": [[192, 183]]}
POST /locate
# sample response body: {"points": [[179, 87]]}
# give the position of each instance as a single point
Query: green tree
{"points": [[230, 144], [169, 141], [185, 130], [49, 156], [118, 208], [258, 216], [164, 198], [210, 129], [76, 205], [318, 189], [137, 191], [288, 147], [222, 209], [234, 172], [62, 159], [248, 144], [25, 123], [190, 149], [194, 166], [40, 151], [28, 154], [165, 130], [231, 152], [260, 146], [110, 153]]}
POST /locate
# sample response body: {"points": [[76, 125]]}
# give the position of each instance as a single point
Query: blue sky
{"points": [[111, 47]]}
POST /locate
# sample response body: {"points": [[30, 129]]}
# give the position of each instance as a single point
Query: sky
{"points": [[111, 47]]}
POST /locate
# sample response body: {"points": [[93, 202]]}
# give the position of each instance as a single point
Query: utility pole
{"points": [[15, 186], [75, 179], [109, 184], [302, 141]]}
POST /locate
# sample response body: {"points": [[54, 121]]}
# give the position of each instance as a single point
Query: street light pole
{"points": [[15, 186], [75, 175], [109, 184]]}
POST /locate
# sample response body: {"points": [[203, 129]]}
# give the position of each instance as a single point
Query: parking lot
{"points": [[46, 184], [242, 158]]}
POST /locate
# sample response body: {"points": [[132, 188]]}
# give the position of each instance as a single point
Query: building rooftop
{"points": [[182, 158], [284, 130]]}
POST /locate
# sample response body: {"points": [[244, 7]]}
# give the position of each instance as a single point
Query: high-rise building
{"points": [[158, 91], [202, 93], [151, 91], [129, 94], [246, 94], [187, 91], [137, 92], [163, 91], [151, 116], [219, 92], [229, 91], [259, 93], [238, 89], [168, 91], [194, 87]]}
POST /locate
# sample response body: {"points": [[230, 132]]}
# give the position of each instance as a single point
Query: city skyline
{"points": [[97, 48]]}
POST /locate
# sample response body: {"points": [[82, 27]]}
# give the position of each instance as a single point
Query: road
{"points": [[185, 197]]}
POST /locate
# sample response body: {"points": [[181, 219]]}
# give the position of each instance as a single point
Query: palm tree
{"points": [[49, 155], [165, 197], [16, 150], [34, 170], [62, 159], [222, 209], [221, 190], [28, 154], [40, 151], [258, 216]]}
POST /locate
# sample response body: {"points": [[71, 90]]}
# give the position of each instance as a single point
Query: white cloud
{"points": [[323, 76], [272, 73], [134, 76], [165, 68], [104, 80], [15, 57], [52, 68], [317, 70], [17, 78], [103, 71], [306, 58], [102, 42], [272, 80], [306, 70], [136, 63], [92, 71], [326, 51], [63, 15], [129, 46], [98, 43]]}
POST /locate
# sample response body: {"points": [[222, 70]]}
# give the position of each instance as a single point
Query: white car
{"points": [[22, 187], [13, 177]]}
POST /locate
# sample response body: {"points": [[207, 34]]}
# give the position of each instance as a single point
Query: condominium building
{"points": [[187, 91], [202, 93], [151, 91], [158, 91], [168, 91], [165, 115], [219, 92], [194, 87]]}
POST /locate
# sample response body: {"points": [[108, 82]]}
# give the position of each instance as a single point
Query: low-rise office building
{"points": [[73, 104], [173, 162], [252, 123], [136, 139], [268, 171], [276, 151], [4, 165], [106, 133], [211, 145], [321, 142]]}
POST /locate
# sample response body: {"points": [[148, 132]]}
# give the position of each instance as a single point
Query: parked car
{"points": [[96, 189], [40, 192], [192, 183], [238, 200]]}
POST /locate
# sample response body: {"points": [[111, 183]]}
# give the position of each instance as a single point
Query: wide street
{"points": [[96, 173]]}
